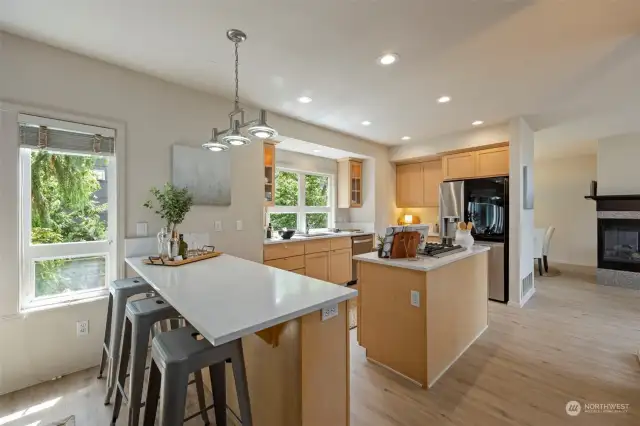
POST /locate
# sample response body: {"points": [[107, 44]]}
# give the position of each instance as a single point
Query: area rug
{"points": [[69, 421]]}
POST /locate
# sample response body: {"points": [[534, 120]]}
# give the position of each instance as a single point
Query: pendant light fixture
{"points": [[233, 136]]}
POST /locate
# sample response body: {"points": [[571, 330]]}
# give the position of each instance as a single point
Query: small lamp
{"points": [[408, 219]]}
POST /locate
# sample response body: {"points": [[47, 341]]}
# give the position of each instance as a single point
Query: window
{"points": [[68, 211], [301, 199]]}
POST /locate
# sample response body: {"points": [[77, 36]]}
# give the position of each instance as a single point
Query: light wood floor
{"points": [[572, 341]]}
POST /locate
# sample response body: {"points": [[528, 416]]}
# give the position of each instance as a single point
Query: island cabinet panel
{"points": [[278, 251], [340, 266], [304, 381], [287, 263], [317, 265], [492, 162], [466, 308], [393, 331]]}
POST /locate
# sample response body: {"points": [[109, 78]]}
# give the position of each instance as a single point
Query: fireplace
{"points": [[618, 240]]}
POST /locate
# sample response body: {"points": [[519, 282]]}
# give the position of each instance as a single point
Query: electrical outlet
{"points": [[238, 225], [141, 229], [329, 312], [415, 298], [82, 328], [218, 225]]}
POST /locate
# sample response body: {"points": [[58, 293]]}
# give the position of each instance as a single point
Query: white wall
{"points": [[469, 139], [155, 114], [520, 220], [560, 187], [618, 169]]}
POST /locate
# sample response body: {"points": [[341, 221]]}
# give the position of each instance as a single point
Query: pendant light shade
{"points": [[261, 129], [233, 136], [213, 144]]}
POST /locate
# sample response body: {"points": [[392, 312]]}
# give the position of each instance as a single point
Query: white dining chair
{"points": [[545, 246], [541, 243]]}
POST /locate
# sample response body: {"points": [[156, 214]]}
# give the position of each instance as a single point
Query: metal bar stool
{"points": [[176, 354], [141, 316], [119, 293]]}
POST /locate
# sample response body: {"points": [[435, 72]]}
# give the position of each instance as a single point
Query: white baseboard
{"points": [[527, 296], [457, 357]]}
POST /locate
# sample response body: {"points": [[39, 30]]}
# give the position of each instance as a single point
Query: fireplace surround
{"points": [[618, 240]]}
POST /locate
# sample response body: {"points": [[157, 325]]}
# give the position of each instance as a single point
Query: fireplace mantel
{"points": [[616, 203], [612, 197]]}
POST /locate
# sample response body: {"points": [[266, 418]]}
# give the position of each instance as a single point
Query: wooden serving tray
{"points": [[151, 260]]}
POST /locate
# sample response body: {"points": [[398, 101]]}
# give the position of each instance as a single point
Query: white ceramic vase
{"points": [[464, 238]]}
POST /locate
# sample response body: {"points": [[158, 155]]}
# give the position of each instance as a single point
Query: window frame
{"points": [[301, 210], [29, 253]]}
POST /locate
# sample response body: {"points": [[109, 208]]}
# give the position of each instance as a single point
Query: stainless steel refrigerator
{"points": [[485, 202]]}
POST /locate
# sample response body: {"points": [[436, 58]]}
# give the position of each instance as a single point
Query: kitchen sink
{"points": [[315, 234]]}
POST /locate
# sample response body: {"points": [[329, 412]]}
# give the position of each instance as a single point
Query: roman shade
{"points": [[84, 140]]}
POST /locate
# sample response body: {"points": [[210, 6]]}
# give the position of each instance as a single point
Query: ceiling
{"points": [[550, 59], [304, 147]]}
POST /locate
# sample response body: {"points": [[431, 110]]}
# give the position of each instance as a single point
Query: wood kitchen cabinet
{"points": [[269, 174], [317, 265], [349, 183], [340, 266], [327, 259], [459, 166], [431, 180], [492, 162], [409, 185]]}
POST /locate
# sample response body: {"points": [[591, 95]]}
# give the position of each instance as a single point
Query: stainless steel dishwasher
{"points": [[359, 245]]}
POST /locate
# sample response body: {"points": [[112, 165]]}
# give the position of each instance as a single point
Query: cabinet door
{"points": [[355, 173], [459, 166], [431, 178], [317, 265], [409, 185], [492, 162], [340, 266], [269, 174]]}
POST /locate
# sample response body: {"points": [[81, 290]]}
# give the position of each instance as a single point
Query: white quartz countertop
{"points": [[423, 263], [296, 239], [226, 297]]}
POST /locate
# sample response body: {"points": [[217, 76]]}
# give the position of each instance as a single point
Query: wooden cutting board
{"points": [[405, 244]]}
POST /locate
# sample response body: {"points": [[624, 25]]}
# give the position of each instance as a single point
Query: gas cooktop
{"points": [[439, 250]]}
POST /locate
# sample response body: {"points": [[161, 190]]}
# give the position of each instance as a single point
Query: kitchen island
{"points": [[297, 363], [417, 318]]}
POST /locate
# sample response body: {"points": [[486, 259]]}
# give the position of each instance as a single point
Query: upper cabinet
{"points": [[409, 185], [492, 162], [431, 180], [476, 164], [349, 183], [459, 166], [269, 174]]}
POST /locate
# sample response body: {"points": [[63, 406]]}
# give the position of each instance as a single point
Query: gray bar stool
{"points": [[176, 354], [141, 316], [119, 293]]}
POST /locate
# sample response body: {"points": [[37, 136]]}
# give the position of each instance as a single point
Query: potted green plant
{"points": [[173, 204], [380, 239]]}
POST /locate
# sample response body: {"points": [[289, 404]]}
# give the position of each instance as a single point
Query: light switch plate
{"points": [[415, 298], [218, 225], [141, 229], [238, 225], [329, 312]]}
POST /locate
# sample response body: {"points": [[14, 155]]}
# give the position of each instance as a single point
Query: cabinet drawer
{"points": [[316, 246], [340, 243], [288, 263], [278, 251], [301, 271]]}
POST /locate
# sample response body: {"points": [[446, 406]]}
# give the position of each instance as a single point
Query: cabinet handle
{"points": [[370, 240]]}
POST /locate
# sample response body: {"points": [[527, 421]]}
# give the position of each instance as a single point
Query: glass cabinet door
{"points": [[269, 174], [356, 183]]}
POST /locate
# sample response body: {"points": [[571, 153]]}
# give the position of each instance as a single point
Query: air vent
{"points": [[527, 285]]}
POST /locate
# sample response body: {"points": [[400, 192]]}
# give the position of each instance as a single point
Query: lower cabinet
{"points": [[317, 265], [340, 266], [326, 260]]}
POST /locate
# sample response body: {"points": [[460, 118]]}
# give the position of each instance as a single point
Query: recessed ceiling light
{"points": [[304, 99], [366, 123], [443, 99], [387, 59], [477, 123], [406, 138], [317, 150]]}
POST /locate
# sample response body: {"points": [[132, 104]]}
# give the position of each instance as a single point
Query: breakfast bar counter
{"points": [[297, 363], [417, 317]]}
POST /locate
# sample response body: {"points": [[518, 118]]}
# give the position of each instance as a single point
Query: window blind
{"points": [[43, 137]]}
